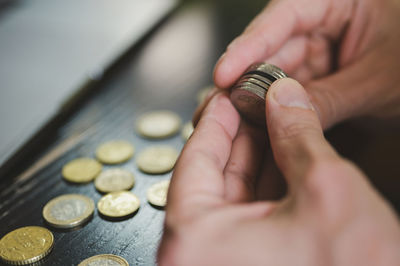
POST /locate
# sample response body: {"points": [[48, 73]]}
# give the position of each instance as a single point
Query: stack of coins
{"points": [[248, 94]]}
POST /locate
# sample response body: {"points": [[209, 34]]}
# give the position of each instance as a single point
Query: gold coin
{"points": [[81, 170], [158, 124], [114, 152], [68, 210], [157, 193], [26, 245], [114, 180], [118, 204], [104, 259], [157, 159], [202, 94], [187, 131]]}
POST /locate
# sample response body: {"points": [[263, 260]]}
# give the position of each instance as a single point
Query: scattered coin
{"points": [[157, 159], [157, 193], [104, 260], [118, 204], [26, 245], [116, 179], [158, 124], [68, 211], [115, 152], [81, 170], [202, 94], [187, 130]]}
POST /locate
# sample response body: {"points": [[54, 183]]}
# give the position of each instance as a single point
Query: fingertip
{"points": [[288, 92], [224, 73]]}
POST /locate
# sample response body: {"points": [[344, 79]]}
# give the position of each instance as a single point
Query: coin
{"points": [[68, 211], [157, 193], [157, 159], [81, 170], [114, 152], [118, 204], [104, 260], [116, 179], [187, 131], [26, 245], [202, 94], [248, 94], [158, 124]]}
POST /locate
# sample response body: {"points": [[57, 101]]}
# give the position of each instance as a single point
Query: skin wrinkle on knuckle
{"points": [[296, 131], [329, 187]]}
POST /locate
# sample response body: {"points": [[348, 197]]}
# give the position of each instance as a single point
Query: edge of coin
{"points": [[34, 259]]}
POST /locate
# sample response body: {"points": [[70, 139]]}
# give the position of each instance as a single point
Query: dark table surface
{"points": [[164, 71]]}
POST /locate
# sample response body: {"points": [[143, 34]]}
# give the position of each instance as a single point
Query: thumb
{"points": [[295, 131]]}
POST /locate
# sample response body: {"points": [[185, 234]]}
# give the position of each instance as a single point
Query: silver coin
{"points": [[68, 211], [248, 94]]}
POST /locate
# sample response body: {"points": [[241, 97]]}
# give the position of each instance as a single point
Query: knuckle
{"points": [[296, 130], [332, 186], [324, 175]]}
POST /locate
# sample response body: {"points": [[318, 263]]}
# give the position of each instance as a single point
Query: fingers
{"points": [[295, 132], [244, 165], [198, 181], [266, 35], [200, 108], [361, 88]]}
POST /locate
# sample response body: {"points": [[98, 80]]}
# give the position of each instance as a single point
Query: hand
{"points": [[345, 52], [330, 216]]}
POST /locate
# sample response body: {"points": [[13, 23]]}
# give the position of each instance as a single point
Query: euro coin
{"points": [[114, 180], [157, 159], [26, 245], [104, 260], [114, 152], [158, 124], [248, 94], [157, 193], [118, 204], [68, 211], [81, 170], [202, 94], [187, 131]]}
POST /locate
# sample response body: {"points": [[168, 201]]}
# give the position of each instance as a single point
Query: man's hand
{"points": [[330, 216], [345, 52]]}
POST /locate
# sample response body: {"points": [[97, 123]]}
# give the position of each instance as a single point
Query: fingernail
{"points": [[289, 93]]}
